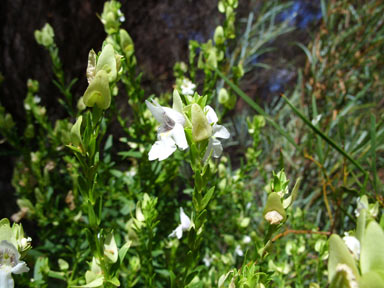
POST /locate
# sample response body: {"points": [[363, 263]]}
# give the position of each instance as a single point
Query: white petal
{"points": [[209, 150], [184, 219], [178, 232], [247, 239], [220, 131], [162, 149], [21, 267], [211, 114], [174, 115], [217, 148], [238, 251], [6, 280], [156, 110], [179, 136], [353, 245]]}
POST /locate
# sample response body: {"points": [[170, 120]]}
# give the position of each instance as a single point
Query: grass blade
{"points": [[257, 108], [322, 135]]}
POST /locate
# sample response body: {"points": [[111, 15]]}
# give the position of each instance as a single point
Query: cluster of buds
{"points": [[112, 16], [45, 36], [277, 201], [101, 71]]}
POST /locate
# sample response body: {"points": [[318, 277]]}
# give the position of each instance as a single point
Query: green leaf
{"points": [[98, 282], [177, 103], [91, 216], [360, 226], [288, 201], [123, 250], [372, 249], [172, 277], [207, 197], [76, 132], [114, 281], [130, 154]]}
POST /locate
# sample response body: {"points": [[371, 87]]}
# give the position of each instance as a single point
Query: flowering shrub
{"points": [[206, 194]]}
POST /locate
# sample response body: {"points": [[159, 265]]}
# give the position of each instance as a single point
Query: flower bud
{"points": [[80, 104], [45, 36], [218, 37], [107, 62], [126, 43], [98, 91], [223, 96], [201, 129], [274, 211], [212, 59], [76, 132]]}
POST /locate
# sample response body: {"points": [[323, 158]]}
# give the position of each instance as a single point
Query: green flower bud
{"points": [[33, 86], [76, 132], [6, 121], [218, 37], [212, 59], [221, 6], [107, 62], [29, 131], [63, 265], [126, 43], [274, 211], [111, 16], [201, 129], [223, 96], [45, 36], [80, 104], [98, 92]]}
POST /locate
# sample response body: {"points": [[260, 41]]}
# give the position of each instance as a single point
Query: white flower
{"points": [[10, 263], [238, 251], [360, 206], [36, 99], [170, 132], [207, 260], [187, 87], [24, 243], [247, 239], [185, 224], [218, 131], [353, 245]]}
